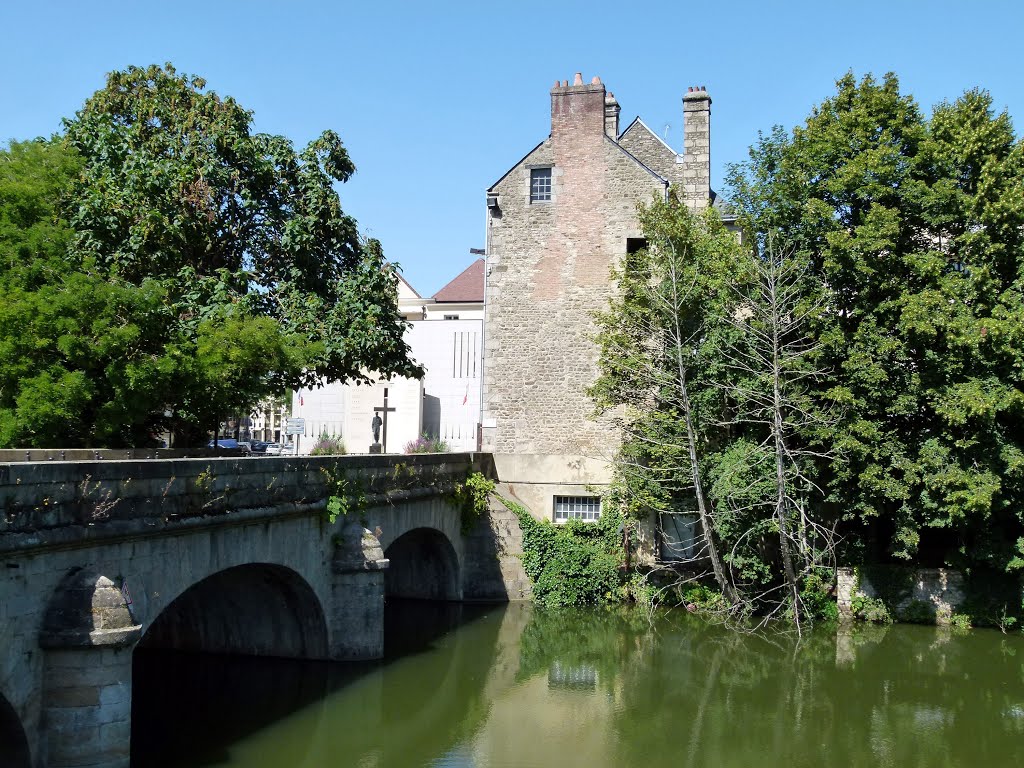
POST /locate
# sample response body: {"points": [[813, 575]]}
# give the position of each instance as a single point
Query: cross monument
{"points": [[384, 411]]}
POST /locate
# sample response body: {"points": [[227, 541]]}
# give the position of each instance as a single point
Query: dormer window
{"points": [[540, 185]]}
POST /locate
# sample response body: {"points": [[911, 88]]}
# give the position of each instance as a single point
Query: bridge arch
{"points": [[423, 565], [256, 609], [14, 751]]}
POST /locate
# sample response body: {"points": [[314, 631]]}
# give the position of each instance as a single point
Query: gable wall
{"points": [[549, 271], [652, 152]]}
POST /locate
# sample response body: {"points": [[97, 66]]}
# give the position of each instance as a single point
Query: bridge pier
{"points": [[87, 707], [356, 615], [87, 637]]}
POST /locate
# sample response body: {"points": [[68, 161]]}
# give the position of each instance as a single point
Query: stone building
{"points": [[558, 221]]}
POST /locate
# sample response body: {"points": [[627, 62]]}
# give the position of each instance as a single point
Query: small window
{"points": [[635, 244], [587, 508], [540, 185]]}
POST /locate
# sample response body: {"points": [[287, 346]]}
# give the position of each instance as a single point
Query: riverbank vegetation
{"points": [[845, 384]]}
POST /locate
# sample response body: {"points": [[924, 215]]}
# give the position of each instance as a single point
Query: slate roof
{"points": [[468, 287]]}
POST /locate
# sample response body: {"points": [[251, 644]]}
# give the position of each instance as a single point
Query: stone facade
{"points": [[548, 270]]}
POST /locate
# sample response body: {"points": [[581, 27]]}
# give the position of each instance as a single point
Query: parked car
{"points": [[232, 445], [258, 446], [280, 449]]}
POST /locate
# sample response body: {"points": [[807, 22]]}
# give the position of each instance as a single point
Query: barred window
{"points": [[586, 508], [540, 184]]}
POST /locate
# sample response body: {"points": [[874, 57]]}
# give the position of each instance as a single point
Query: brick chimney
{"points": [[611, 115], [697, 147], [577, 109]]}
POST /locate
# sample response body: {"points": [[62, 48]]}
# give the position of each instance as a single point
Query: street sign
{"points": [[295, 427]]}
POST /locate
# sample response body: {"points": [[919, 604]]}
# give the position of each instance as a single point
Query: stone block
{"points": [[115, 737], [74, 696], [118, 693], [70, 745]]}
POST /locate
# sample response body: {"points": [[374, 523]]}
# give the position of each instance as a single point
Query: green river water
{"points": [[516, 687]]}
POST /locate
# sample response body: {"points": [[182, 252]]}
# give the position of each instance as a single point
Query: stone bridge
{"points": [[222, 555]]}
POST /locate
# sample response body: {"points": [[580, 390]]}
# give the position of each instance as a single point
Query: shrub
{"points": [[328, 445], [427, 444], [871, 609], [818, 598], [472, 498], [960, 621], [701, 598]]}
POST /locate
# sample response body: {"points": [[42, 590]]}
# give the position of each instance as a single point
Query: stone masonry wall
{"points": [[549, 266], [650, 150], [940, 588]]}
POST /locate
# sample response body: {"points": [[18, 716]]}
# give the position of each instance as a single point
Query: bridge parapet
{"points": [[60, 503]]}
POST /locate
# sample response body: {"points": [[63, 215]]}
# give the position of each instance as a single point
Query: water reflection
{"points": [[682, 691], [522, 687], [213, 710]]}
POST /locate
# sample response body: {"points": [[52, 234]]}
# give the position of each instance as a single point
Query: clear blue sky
{"points": [[436, 100]]}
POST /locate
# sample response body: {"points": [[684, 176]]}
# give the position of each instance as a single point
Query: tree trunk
{"points": [[780, 449], [698, 486]]}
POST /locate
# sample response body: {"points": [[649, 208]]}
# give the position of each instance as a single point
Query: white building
{"points": [[445, 337]]}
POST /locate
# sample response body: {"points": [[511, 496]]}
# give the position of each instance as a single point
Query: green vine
{"points": [[576, 563], [472, 497], [344, 497]]}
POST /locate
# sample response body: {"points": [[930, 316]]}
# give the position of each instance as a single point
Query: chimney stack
{"points": [[578, 109], [697, 147], [611, 115]]}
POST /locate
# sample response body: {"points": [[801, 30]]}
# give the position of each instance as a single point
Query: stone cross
{"points": [[384, 410]]}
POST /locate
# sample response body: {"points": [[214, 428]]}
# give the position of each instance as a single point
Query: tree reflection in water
{"points": [[695, 694], [526, 688]]}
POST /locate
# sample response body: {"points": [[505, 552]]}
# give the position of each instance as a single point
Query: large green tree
{"points": [[218, 262], [72, 344], [916, 227]]}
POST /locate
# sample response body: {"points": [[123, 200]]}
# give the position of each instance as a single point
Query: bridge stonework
{"points": [[219, 555]]}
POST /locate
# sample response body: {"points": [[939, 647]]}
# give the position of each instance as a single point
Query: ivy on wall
{"points": [[576, 563]]}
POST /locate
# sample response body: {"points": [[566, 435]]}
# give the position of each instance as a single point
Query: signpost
{"points": [[295, 427]]}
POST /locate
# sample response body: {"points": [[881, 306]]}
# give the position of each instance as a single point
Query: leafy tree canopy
{"points": [[916, 227], [166, 266]]}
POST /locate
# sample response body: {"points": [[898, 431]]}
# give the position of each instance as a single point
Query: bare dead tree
{"points": [[773, 362]]}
